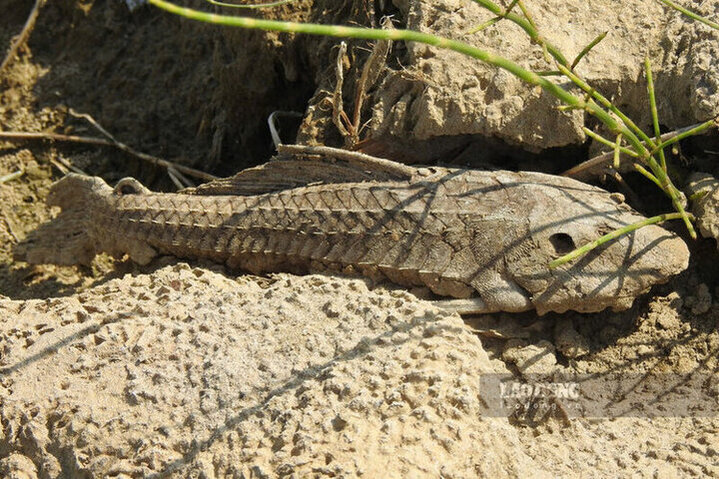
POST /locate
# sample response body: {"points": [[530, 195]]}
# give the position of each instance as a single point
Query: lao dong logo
{"points": [[519, 390]]}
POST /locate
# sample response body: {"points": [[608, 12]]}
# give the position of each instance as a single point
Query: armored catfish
{"points": [[463, 234]]}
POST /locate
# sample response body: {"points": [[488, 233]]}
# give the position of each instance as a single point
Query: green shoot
{"points": [[392, 34], [526, 14], [617, 150], [698, 195], [615, 144], [691, 14], [494, 20], [250, 5], [612, 236], [628, 129], [653, 108], [587, 49], [527, 26], [587, 88], [701, 128], [647, 174]]}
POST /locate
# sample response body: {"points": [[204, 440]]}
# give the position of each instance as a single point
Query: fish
{"points": [[481, 237]]}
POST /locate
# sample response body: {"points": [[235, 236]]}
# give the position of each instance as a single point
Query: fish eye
{"points": [[562, 243]]}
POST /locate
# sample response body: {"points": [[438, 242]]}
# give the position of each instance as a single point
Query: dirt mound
{"points": [[184, 371], [293, 375]]}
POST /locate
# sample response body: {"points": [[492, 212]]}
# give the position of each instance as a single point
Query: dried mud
{"points": [[177, 370]]}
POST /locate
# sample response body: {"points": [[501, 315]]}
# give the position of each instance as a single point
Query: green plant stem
{"points": [[628, 129], [608, 104], [526, 14], [377, 34], [691, 14], [674, 193], [250, 6], [494, 20], [599, 161], [540, 39], [655, 115], [614, 144], [413, 36], [614, 235], [586, 49], [484, 25], [647, 174], [527, 26], [617, 150], [685, 134], [698, 196]]}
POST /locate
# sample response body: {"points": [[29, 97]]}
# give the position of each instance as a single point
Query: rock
{"points": [[701, 301], [17, 466], [666, 471], [668, 319], [703, 192], [536, 358], [568, 341]]}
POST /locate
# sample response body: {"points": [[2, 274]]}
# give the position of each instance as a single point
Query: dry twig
{"points": [[11, 176], [597, 166], [352, 157], [24, 135], [9, 227], [23, 35], [172, 171], [65, 166]]}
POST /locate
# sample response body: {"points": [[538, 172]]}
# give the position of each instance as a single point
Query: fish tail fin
{"points": [[63, 240], [66, 239]]}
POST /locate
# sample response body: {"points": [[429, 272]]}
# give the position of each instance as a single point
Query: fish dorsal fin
{"points": [[282, 173]]}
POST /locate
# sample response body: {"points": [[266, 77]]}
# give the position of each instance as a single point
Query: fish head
{"points": [[565, 214]]}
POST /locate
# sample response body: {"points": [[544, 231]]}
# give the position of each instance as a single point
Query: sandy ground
{"points": [[185, 372], [177, 370]]}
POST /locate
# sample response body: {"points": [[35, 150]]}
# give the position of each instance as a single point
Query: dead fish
{"points": [[485, 237]]}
